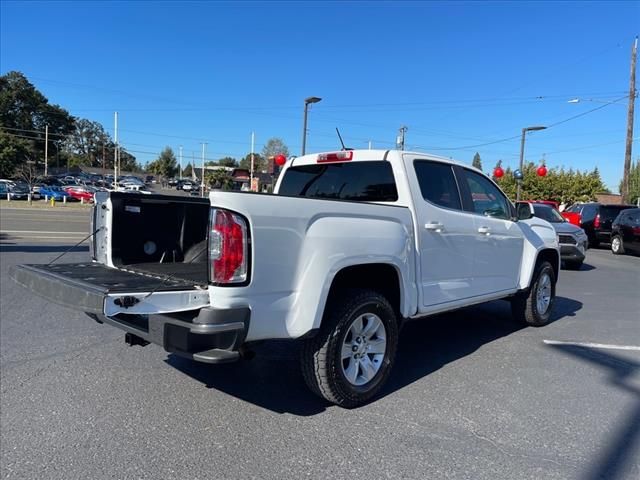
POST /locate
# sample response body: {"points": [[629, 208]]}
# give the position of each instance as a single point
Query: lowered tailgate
{"points": [[96, 288]]}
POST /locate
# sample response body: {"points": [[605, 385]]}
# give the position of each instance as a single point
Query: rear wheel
{"points": [[617, 246], [534, 306], [351, 357]]}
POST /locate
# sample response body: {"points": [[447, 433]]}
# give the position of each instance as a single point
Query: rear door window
{"points": [[589, 212], [438, 184], [356, 181], [610, 212]]}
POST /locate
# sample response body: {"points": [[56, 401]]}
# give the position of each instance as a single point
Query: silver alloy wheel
{"points": [[615, 244], [543, 293], [363, 349]]}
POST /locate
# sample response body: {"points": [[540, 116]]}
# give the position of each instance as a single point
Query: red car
{"points": [[80, 192]]}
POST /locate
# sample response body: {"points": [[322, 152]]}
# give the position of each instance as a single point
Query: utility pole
{"points": [[180, 162], [46, 148], [632, 100], [202, 179], [115, 151], [251, 170], [400, 139]]}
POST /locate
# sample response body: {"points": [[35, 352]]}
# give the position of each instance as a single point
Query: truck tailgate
{"points": [[96, 288]]}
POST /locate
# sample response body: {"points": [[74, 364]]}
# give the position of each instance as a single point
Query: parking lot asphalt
{"points": [[472, 395]]}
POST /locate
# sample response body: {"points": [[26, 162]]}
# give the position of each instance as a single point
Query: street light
{"points": [[307, 101], [524, 132]]}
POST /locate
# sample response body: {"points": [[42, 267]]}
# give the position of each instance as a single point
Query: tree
{"points": [[273, 147], [13, 153], [220, 179], [477, 162], [187, 171], [560, 185], [165, 165], [27, 173], [90, 142], [259, 163], [228, 162], [26, 112]]}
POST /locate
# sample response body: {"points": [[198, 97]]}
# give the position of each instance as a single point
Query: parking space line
{"points": [[593, 345]]}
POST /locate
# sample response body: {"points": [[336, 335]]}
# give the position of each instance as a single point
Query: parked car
{"points": [[80, 192], [55, 192], [352, 245], [625, 232], [24, 188], [572, 239], [596, 220], [13, 192]]}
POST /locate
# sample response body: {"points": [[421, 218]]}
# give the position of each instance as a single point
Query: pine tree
{"points": [[477, 162]]}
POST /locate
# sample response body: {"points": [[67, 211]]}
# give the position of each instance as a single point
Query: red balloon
{"points": [[498, 172], [542, 171], [280, 159]]}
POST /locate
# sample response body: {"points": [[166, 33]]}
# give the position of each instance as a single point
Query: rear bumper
{"points": [[603, 236], [171, 313], [209, 335]]}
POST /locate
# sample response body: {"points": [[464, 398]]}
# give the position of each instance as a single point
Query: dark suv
{"points": [[625, 232], [596, 220]]}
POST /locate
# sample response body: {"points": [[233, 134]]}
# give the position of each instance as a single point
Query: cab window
{"points": [[438, 184], [486, 198]]}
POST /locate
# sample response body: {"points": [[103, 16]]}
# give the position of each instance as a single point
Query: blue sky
{"points": [[457, 74]]}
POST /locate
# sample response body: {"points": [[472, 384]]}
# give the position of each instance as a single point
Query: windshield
{"points": [[548, 213]]}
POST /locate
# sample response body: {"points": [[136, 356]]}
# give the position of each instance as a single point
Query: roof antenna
{"points": [[341, 142]]}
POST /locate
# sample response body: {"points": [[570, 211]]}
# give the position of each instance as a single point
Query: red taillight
{"points": [[335, 157], [228, 245], [596, 222]]}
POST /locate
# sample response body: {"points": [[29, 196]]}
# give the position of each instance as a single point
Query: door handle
{"points": [[434, 226], [484, 230]]}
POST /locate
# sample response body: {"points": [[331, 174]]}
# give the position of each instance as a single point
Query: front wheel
{"points": [[617, 247], [351, 357], [534, 306]]}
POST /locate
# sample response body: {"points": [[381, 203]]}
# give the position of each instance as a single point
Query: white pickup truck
{"points": [[352, 244]]}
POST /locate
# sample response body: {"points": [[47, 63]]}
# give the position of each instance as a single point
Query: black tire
{"points": [[321, 355], [617, 246], [524, 306], [573, 265]]}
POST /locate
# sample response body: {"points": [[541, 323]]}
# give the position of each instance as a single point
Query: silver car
{"points": [[572, 239]]}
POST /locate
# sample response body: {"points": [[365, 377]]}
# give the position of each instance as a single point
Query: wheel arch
{"points": [[382, 278], [550, 255]]}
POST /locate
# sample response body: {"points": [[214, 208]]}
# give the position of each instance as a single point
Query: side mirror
{"points": [[524, 210]]}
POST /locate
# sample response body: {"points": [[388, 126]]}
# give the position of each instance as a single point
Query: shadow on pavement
{"points": [[41, 248], [617, 458], [585, 267], [273, 379]]}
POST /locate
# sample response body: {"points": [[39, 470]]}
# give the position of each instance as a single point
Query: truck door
{"points": [[445, 234], [499, 241]]}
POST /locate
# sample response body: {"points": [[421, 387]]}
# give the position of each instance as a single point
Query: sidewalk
{"points": [[42, 205]]}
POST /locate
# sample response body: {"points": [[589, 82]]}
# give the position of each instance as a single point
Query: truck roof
{"points": [[373, 155]]}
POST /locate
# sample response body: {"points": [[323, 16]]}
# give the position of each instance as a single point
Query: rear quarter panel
{"points": [[299, 245]]}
